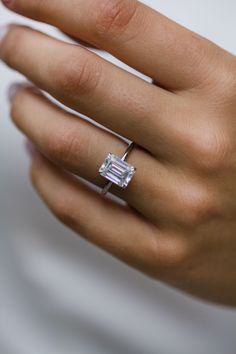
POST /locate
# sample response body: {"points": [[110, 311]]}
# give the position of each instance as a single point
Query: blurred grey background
{"points": [[61, 295]]}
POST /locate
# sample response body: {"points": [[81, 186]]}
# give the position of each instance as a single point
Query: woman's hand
{"points": [[179, 223]]}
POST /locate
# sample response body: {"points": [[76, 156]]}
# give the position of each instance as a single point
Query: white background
{"points": [[61, 295]]}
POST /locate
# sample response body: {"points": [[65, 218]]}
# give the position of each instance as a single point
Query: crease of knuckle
{"points": [[114, 17], [65, 145], [76, 76]]}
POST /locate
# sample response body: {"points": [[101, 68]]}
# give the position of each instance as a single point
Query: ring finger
{"points": [[75, 144], [80, 147]]}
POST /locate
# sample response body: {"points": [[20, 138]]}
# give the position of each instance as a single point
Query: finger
{"points": [[138, 35], [159, 191], [114, 228], [80, 147], [83, 81]]}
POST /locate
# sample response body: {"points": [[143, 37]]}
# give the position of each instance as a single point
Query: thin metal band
{"points": [[109, 184]]}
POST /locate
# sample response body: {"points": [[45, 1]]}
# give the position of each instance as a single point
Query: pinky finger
{"points": [[113, 227]]}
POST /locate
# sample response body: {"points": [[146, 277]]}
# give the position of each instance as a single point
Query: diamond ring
{"points": [[116, 170]]}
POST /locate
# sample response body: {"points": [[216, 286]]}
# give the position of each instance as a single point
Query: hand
{"points": [[179, 221]]}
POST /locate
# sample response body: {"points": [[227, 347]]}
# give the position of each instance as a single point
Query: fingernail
{"points": [[30, 148], [16, 87], [3, 31]]}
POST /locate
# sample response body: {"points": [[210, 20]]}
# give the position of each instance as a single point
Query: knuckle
{"points": [[198, 207], [171, 252], [66, 143], [62, 145], [211, 150], [113, 17], [63, 209], [76, 77], [69, 211]]}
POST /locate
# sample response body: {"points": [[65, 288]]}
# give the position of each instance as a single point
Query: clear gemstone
{"points": [[117, 171]]}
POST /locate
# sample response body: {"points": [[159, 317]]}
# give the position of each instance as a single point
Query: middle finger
{"points": [[87, 83]]}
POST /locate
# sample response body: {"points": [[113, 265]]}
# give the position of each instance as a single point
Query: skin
{"points": [[178, 222]]}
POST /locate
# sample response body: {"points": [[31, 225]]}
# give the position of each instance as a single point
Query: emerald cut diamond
{"points": [[117, 171]]}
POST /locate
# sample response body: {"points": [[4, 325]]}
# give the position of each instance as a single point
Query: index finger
{"points": [[138, 35]]}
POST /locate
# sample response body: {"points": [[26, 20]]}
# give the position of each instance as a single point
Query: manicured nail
{"points": [[30, 148], [3, 31], [15, 87]]}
